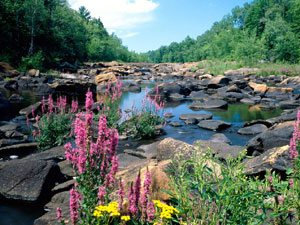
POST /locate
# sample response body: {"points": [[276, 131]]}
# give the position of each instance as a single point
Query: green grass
{"points": [[266, 69]]}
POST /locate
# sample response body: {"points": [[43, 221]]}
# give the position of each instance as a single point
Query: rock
{"points": [[15, 98], [275, 136], [66, 168], [10, 127], [103, 79], [218, 81], [258, 88], [209, 104], [28, 180], [28, 110], [18, 149], [213, 124], [279, 93], [221, 150], [197, 116], [61, 200], [44, 90], [219, 137], [277, 158], [241, 71], [176, 97], [34, 72], [175, 124], [131, 87], [64, 186], [8, 70], [150, 150], [234, 88], [285, 116], [252, 130], [198, 95], [191, 121], [253, 122], [169, 115], [126, 161], [251, 101], [56, 154], [289, 104]]}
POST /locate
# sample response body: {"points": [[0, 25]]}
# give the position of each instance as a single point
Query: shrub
{"points": [[148, 121], [34, 62], [54, 127]]}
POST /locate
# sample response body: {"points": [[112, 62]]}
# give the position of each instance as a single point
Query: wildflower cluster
{"points": [[147, 121], [166, 211], [54, 126], [111, 209]]}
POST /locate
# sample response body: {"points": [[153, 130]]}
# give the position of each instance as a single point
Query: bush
{"points": [[146, 122], [34, 62], [54, 127]]}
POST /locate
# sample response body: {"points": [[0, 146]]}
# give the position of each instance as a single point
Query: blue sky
{"points": [[148, 24]]}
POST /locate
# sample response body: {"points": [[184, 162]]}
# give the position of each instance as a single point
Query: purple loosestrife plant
{"points": [[54, 126], [94, 162]]}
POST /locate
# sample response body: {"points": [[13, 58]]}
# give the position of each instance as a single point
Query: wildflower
{"points": [[125, 218], [74, 205], [58, 214], [291, 182]]}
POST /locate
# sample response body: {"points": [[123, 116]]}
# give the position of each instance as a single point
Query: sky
{"points": [[145, 25]]}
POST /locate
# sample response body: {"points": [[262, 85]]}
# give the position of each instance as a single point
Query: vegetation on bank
{"points": [[41, 34], [261, 30]]}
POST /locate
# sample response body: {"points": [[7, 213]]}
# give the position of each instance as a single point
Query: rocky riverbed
{"points": [[204, 113]]}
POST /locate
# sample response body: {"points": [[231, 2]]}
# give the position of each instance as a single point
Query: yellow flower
{"points": [[125, 218]]}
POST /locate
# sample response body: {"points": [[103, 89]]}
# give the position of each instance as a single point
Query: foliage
{"points": [[54, 127], [109, 105], [146, 122], [262, 30], [42, 34]]}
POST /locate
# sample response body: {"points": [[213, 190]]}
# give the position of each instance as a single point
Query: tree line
{"points": [[44, 33], [263, 30]]}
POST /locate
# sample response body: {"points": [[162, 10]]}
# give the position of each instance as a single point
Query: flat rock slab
{"points": [[252, 130], [126, 161], [56, 153], [209, 104], [27, 180], [18, 149], [197, 116], [213, 124], [274, 159]]}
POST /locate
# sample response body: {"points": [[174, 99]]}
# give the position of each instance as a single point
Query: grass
{"points": [[265, 69]]}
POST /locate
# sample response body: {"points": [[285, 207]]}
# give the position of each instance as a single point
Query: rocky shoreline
{"points": [[31, 176]]}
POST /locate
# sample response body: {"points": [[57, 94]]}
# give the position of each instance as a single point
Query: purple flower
{"points": [[58, 214]]}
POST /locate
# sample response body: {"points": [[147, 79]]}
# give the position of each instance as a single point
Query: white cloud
{"points": [[128, 35], [119, 14]]}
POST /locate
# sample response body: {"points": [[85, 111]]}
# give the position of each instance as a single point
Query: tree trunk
{"points": [[30, 51]]}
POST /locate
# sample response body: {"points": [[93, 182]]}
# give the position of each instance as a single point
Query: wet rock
{"points": [[252, 130], [277, 158], [175, 124], [191, 121], [275, 136], [197, 116], [15, 98], [221, 150], [28, 110], [209, 104], [219, 137], [218, 81], [213, 124], [27, 180], [18, 149]]}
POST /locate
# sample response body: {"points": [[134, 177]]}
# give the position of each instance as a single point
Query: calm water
{"points": [[235, 114]]}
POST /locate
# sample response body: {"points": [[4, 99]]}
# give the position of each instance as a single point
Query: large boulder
{"points": [[276, 159], [279, 93], [276, 136], [258, 88], [218, 81], [28, 180], [103, 79], [6, 69]]}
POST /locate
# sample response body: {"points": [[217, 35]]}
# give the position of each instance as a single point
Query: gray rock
{"points": [[64, 186], [27, 180], [18, 149], [197, 116], [213, 124], [191, 121], [56, 154], [175, 124], [176, 97], [126, 160], [277, 158], [252, 130], [219, 137], [209, 104], [169, 115], [28, 110], [10, 127], [198, 95], [66, 168], [276, 136], [289, 104]]}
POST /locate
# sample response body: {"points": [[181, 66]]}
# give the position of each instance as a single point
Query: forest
{"points": [[42, 34], [260, 31]]}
